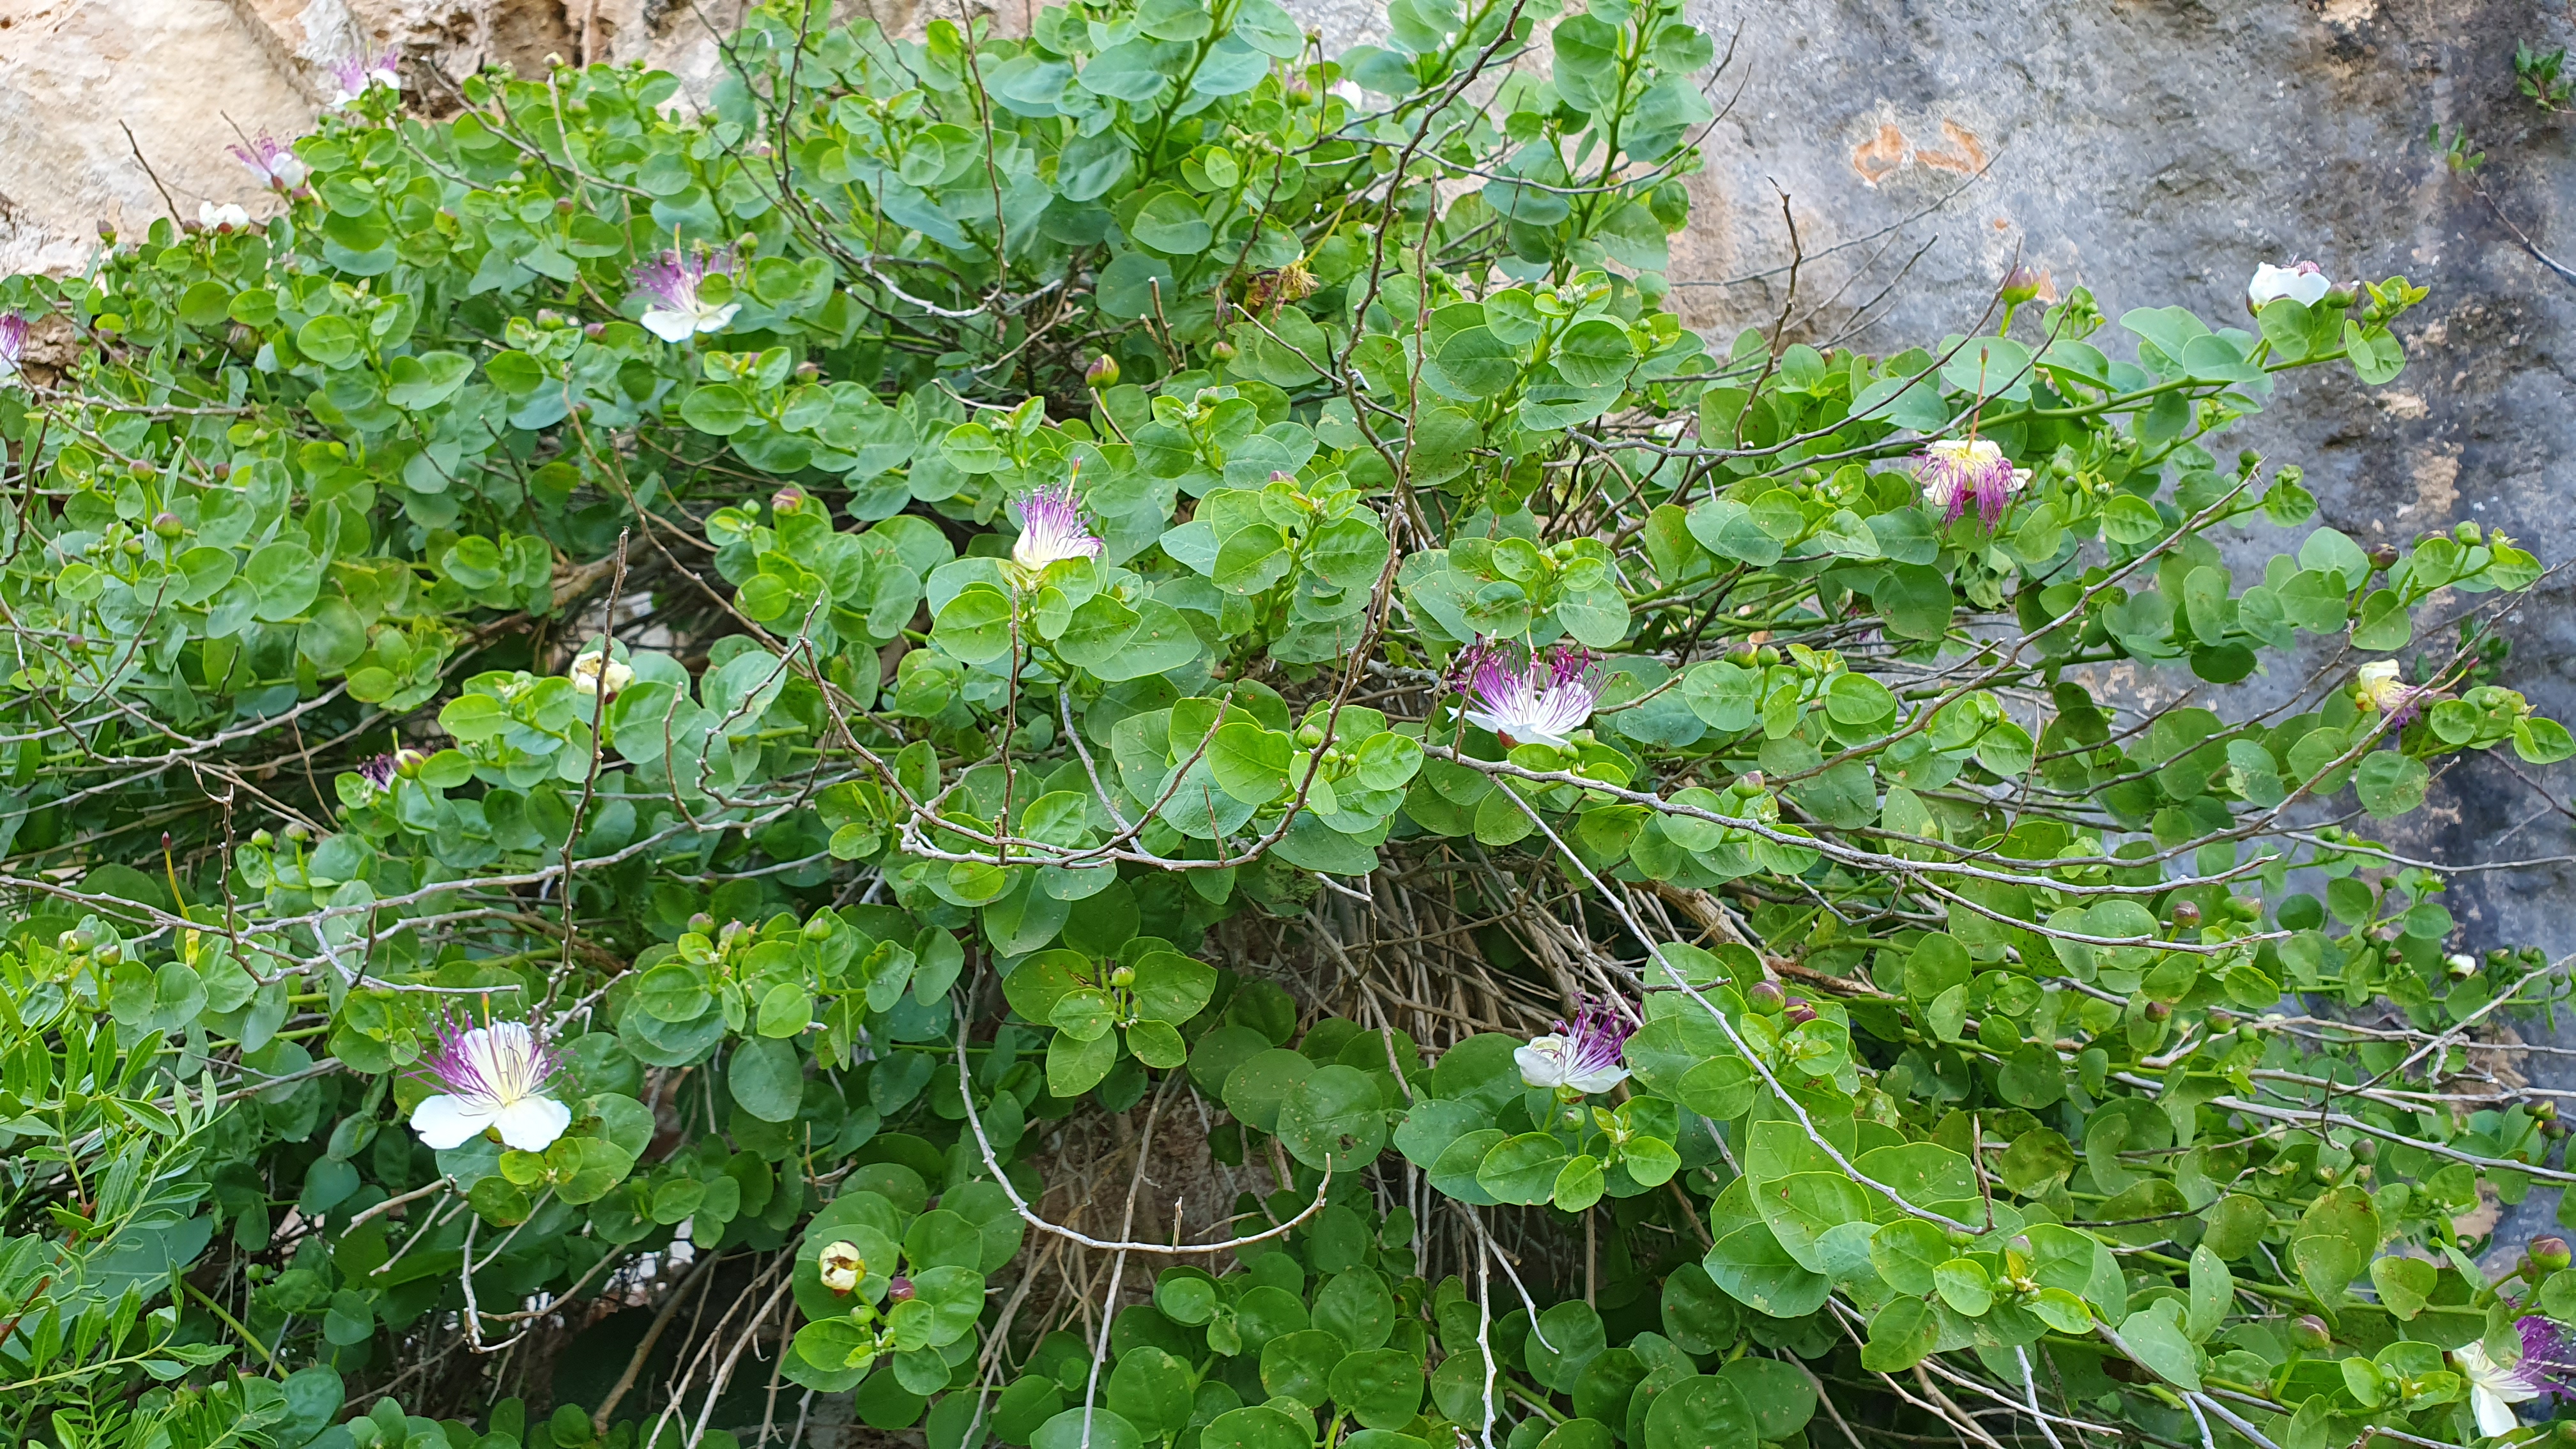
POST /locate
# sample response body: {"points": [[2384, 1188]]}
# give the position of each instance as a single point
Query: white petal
{"points": [[717, 320], [1599, 1080], [2495, 1416], [669, 324], [2309, 288], [531, 1124], [1541, 1067], [444, 1122]]}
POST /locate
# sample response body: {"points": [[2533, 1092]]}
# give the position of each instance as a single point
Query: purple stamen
{"points": [[1051, 528], [1527, 695]]}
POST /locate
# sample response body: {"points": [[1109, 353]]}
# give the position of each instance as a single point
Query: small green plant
{"points": [[2455, 152], [2537, 75]]}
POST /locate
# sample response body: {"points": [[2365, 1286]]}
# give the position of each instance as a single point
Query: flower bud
{"points": [[787, 500], [107, 231], [2461, 966], [703, 924], [299, 832], [2186, 915], [167, 524], [80, 939], [1766, 997], [1222, 352], [2549, 1254], [2309, 1331], [2384, 556], [841, 1266], [1799, 1012], [262, 839], [2020, 285], [1103, 372], [899, 1290], [1122, 977], [2158, 1010], [594, 330], [1749, 783]]}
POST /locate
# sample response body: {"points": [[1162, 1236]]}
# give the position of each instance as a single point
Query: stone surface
{"points": [[2152, 150]]}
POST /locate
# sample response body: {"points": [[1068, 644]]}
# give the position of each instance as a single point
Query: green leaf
{"points": [[1381, 1387], [1900, 1336], [767, 1079], [1522, 1169], [976, 625], [1334, 1118], [2156, 1333], [2382, 623], [719, 408], [2390, 784], [2405, 1284], [1703, 1411]]}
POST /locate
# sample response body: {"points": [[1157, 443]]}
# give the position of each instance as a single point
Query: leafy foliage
{"points": [[658, 488]]}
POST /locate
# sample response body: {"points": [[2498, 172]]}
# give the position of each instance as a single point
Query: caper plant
{"points": [[767, 707]]}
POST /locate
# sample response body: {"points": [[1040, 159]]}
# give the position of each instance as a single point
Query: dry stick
{"points": [[652, 1335], [724, 1371], [1118, 1260], [598, 721], [175, 218], [1484, 1327]]}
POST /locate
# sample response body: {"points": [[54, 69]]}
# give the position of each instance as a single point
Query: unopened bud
{"points": [[107, 231], [703, 924], [2383, 556], [299, 833], [2461, 966], [899, 1291], [2020, 285], [262, 839], [2158, 1011], [1102, 373], [840, 1266], [1799, 1012], [2549, 1254], [1766, 997], [787, 500], [1749, 783], [1222, 352], [594, 330], [2310, 1332], [1122, 977], [2186, 914], [167, 524]]}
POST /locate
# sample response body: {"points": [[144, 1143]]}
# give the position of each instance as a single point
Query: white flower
{"points": [[588, 674], [1956, 472], [357, 73], [2301, 282], [675, 312], [1527, 696], [2380, 689], [1583, 1057], [841, 1266], [215, 218], [495, 1077], [2494, 1389], [1051, 528]]}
